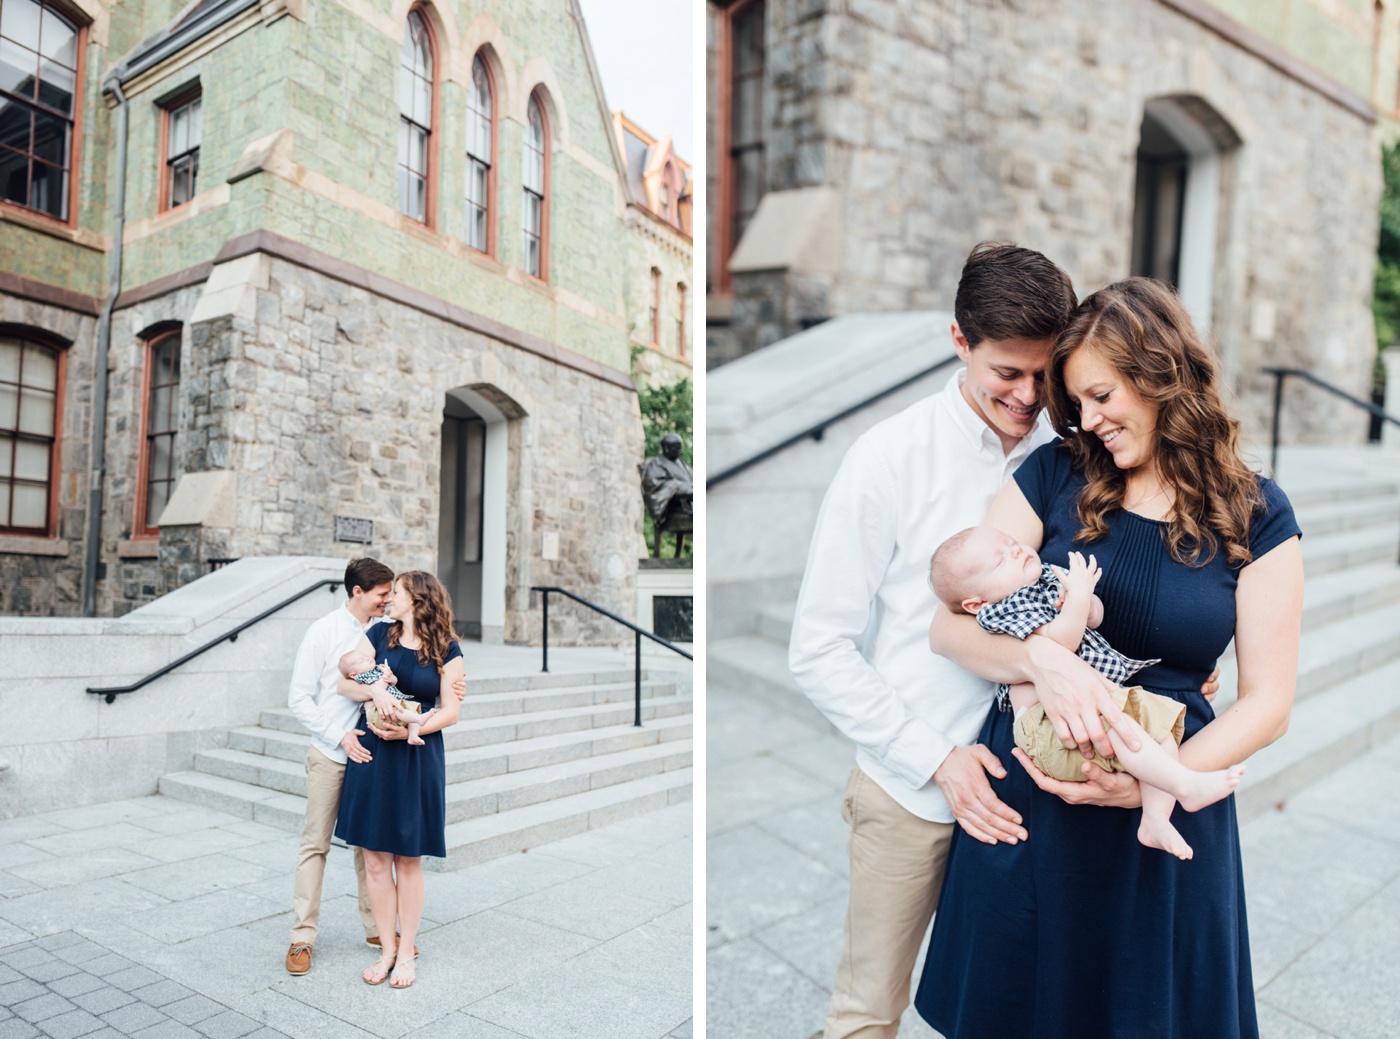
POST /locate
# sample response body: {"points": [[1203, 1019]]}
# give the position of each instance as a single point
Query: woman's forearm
{"points": [[1251, 723], [443, 717]]}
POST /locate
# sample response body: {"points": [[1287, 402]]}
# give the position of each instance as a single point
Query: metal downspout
{"points": [[104, 343]]}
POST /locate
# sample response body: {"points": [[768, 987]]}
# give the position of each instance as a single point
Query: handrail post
{"points": [[1279, 375], [544, 593], [637, 676]]}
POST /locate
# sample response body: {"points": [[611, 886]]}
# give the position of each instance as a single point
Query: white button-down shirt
{"points": [[313, 698], [904, 487]]}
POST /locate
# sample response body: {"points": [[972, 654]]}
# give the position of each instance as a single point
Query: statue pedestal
{"points": [[666, 605]]}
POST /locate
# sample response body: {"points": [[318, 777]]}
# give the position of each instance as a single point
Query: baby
{"points": [[989, 574], [363, 669]]}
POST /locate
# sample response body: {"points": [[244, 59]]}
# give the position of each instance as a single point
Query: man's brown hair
{"points": [[366, 573], [1007, 292]]}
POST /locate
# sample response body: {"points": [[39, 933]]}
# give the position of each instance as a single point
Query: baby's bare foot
{"points": [[415, 739], [1160, 833], [1205, 788]]}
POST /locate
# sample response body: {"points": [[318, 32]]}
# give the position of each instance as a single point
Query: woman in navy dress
{"points": [[394, 806], [1081, 931]]}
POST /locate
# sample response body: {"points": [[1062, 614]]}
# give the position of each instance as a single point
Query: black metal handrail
{"points": [[1281, 374], [817, 431], [639, 632], [110, 692]]}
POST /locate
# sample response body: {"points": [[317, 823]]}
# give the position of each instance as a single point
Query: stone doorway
{"points": [[472, 512], [1183, 146]]}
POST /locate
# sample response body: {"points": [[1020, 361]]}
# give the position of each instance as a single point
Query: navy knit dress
{"points": [[1081, 932], [397, 802]]}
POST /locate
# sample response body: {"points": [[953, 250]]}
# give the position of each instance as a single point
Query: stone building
{"points": [[661, 284], [321, 278], [858, 149]]}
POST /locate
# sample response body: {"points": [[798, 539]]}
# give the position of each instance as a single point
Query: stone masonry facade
{"points": [[941, 124], [329, 403]]}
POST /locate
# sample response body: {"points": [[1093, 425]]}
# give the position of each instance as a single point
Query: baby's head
{"points": [[356, 663], [981, 565]]}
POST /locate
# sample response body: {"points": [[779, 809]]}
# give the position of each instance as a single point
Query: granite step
{"points": [[1339, 516], [476, 796], [471, 732], [519, 829], [1329, 553], [1326, 732], [471, 840], [483, 760]]}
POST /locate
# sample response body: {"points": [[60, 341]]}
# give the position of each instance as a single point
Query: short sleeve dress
{"points": [[397, 801], [1082, 931]]}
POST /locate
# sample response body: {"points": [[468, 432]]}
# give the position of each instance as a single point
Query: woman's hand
{"points": [[389, 731], [1110, 789], [1074, 696], [388, 707]]}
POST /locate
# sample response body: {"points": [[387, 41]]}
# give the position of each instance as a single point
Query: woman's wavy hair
{"points": [[1140, 328], [432, 618]]}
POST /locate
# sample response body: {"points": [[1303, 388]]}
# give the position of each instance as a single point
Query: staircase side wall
{"points": [[86, 751]]}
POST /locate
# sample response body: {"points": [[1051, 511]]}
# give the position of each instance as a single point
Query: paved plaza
{"points": [[1322, 875], [157, 919]]}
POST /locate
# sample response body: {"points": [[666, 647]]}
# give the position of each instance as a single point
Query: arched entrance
{"points": [[1177, 199], [472, 512]]}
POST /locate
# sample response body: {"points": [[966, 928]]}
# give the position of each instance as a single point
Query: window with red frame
{"points": [[536, 178], [28, 433], [654, 312], [480, 156], [38, 103], [182, 134], [415, 117], [680, 318], [162, 419]]}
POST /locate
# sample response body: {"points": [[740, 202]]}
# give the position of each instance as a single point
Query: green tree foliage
{"points": [[1385, 301], [666, 409]]}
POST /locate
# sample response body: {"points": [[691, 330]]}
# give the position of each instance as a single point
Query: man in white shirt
{"points": [[331, 720], [905, 486]]}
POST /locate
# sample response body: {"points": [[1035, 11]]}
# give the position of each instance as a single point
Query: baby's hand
{"points": [[1083, 577]]}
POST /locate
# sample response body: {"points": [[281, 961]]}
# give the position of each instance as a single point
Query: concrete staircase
{"points": [[1348, 504], [532, 759]]}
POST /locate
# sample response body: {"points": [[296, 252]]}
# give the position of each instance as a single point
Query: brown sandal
{"points": [[373, 977]]}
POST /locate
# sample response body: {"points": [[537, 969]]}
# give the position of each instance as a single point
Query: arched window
{"points": [[39, 55], [29, 378], [159, 422], [416, 89], [481, 154], [743, 126], [535, 220]]}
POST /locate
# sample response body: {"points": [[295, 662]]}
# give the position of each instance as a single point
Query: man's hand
{"points": [[1074, 695], [389, 732], [459, 687], [1212, 685], [1112, 789], [963, 779], [354, 750]]}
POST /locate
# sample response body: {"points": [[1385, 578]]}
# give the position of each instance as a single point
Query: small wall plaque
{"points": [[351, 528], [673, 617]]}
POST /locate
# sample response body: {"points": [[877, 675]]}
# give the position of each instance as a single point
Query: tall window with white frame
{"points": [[161, 422], [415, 116], [480, 157], [536, 169], [28, 433], [38, 102], [182, 135]]}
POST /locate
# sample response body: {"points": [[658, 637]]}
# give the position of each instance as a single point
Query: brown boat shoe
{"points": [[373, 943], [299, 958]]}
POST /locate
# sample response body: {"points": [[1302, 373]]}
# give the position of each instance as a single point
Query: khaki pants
{"points": [[323, 781], [897, 862]]}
